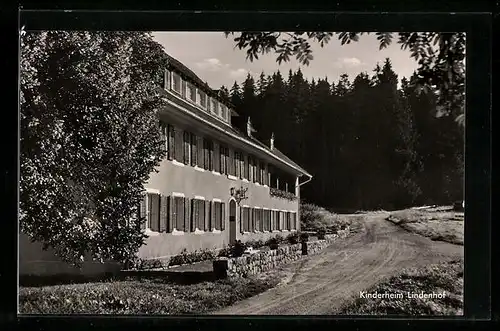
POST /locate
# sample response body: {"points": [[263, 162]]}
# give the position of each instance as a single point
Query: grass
{"points": [[140, 296], [447, 277], [440, 223]]}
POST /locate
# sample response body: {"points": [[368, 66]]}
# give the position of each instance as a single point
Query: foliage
{"points": [[293, 238], [321, 234], [89, 139], [304, 237], [338, 131], [273, 242], [274, 192], [192, 257], [238, 248], [140, 297], [441, 57]]}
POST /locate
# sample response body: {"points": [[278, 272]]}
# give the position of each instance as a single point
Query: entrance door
{"points": [[232, 222]]}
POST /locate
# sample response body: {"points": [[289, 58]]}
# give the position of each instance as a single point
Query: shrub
{"points": [[293, 238], [225, 252], [321, 234], [191, 257], [238, 249], [304, 237], [255, 243], [273, 243]]}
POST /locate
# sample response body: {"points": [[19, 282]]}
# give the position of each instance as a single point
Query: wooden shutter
{"points": [[242, 219], [163, 128], [172, 213], [194, 150], [179, 145], [142, 212], [207, 216], [216, 157], [212, 215], [231, 162], [179, 202], [154, 212], [205, 153], [166, 80], [237, 164], [201, 215], [194, 215], [245, 166], [183, 88], [200, 152], [163, 213], [210, 155], [186, 140], [223, 216], [266, 175], [171, 142], [187, 214]]}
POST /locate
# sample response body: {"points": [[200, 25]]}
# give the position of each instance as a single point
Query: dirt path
{"points": [[321, 283]]}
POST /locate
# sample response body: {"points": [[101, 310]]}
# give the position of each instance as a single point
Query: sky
{"points": [[215, 60]]}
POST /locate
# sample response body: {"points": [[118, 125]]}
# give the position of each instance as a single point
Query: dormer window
{"points": [[223, 111], [215, 108], [201, 98], [176, 82], [191, 92]]}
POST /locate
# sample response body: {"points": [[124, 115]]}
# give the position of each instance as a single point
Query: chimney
{"points": [[249, 127], [272, 141]]}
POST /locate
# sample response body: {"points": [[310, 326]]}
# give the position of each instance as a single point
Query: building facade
{"points": [[218, 183]]}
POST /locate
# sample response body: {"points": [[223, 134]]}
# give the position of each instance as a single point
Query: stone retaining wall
{"points": [[266, 260]]}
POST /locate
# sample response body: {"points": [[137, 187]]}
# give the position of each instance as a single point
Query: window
{"points": [[197, 214], [262, 172], [223, 111], [176, 82], [218, 215], [267, 220], [245, 219], [151, 210], [191, 92], [259, 221], [288, 220], [242, 166], [214, 109], [194, 150], [179, 213], [250, 169], [208, 151], [294, 220], [201, 98], [187, 147]]}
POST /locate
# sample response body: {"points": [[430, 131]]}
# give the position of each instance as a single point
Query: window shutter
{"points": [[179, 201], [242, 219], [166, 80], [163, 128], [216, 157], [163, 213], [245, 166], [194, 150], [205, 153], [194, 215], [186, 139], [142, 212], [201, 215], [266, 175], [171, 142], [200, 152], [207, 216], [212, 215], [210, 155], [171, 214], [237, 164], [187, 214], [231, 162], [179, 142], [154, 213], [223, 216]]}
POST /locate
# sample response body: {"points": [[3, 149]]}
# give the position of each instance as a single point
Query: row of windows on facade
{"points": [[190, 149], [166, 213], [188, 91]]}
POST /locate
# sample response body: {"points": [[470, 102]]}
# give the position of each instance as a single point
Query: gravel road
{"points": [[322, 283]]}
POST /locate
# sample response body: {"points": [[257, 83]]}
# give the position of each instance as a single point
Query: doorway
{"points": [[232, 221]]}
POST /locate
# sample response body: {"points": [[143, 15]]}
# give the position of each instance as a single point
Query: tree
{"points": [[441, 70], [89, 139]]}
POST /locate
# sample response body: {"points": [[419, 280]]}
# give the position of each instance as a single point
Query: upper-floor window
{"points": [[201, 98], [223, 110], [191, 92], [215, 107], [176, 82]]}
